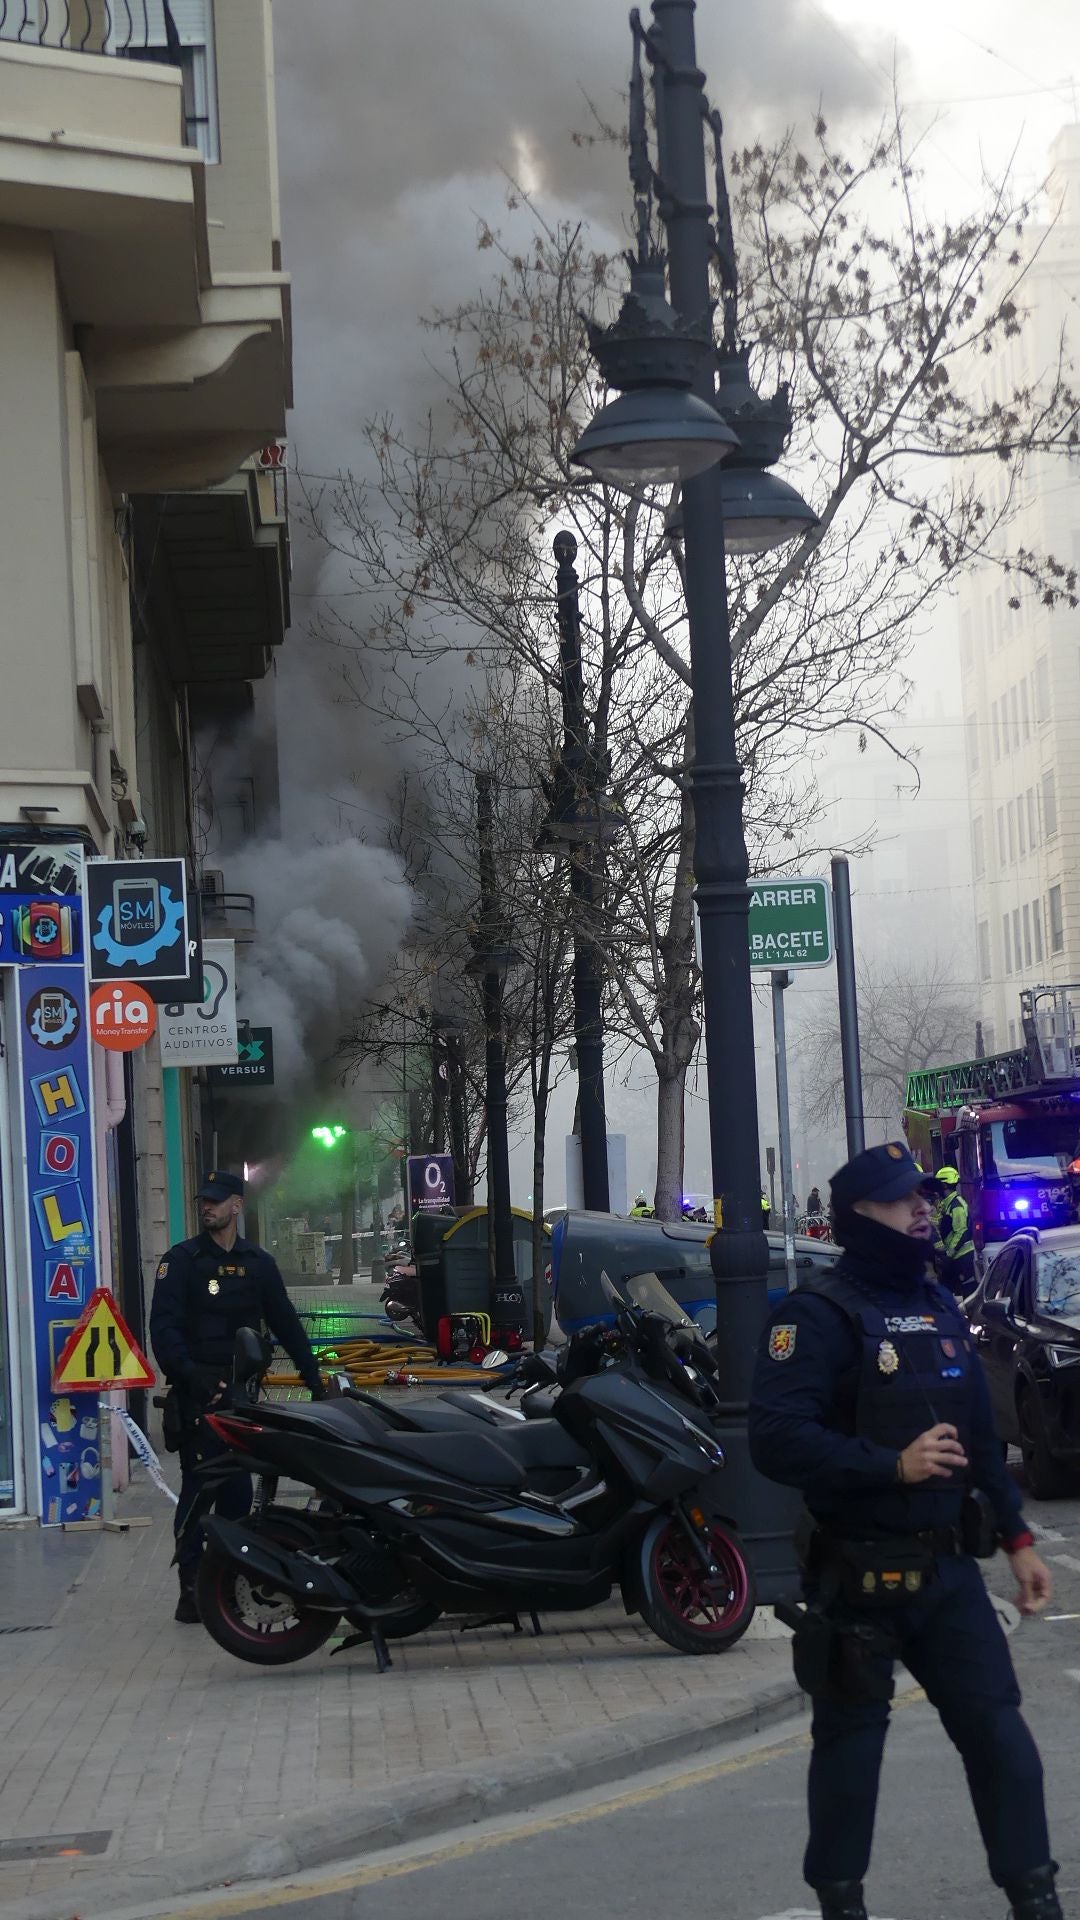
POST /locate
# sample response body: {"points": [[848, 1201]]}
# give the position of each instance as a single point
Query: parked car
{"points": [[585, 1244], [1025, 1320]]}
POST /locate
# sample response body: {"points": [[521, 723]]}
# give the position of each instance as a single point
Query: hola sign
{"points": [[122, 1016]]}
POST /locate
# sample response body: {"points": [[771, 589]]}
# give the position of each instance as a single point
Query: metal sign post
{"points": [[849, 1009], [780, 982]]}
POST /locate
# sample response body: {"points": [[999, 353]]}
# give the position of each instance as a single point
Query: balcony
{"points": [[108, 117], [225, 916]]}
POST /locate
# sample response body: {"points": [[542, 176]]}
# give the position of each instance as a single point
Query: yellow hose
{"points": [[369, 1362]]}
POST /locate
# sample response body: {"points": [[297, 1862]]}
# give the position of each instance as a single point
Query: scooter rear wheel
{"points": [[254, 1620], [677, 1599]]}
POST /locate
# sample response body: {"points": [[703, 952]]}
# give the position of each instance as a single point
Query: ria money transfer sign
{"points": [[54, 1058], [790, 924]]}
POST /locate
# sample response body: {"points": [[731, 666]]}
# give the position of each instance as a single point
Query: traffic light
{"points": [[328, 1136]]}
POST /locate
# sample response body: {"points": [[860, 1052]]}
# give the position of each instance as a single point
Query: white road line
{"points": [[1073, 1673], [1065, 1560], [1044, 1533]]}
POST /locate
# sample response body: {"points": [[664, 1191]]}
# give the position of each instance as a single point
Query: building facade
{"points": [[145, 375], [1020, 670]]}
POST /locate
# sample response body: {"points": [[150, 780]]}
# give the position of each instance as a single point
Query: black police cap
{"points": [[221, 1186], [880, 1173]]}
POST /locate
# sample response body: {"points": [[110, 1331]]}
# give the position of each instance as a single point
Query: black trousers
{"points": [[951, 1642], [232, 1497]]}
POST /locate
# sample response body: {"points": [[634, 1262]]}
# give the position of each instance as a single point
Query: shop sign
{"points": [[40, 905], [122, 1016], [54, 1064], [137, 920], [254, 1066], [431, 1182], [204, 1033]]}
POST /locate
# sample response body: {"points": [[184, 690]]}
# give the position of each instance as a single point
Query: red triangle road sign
{"points": [[101, 1351]]}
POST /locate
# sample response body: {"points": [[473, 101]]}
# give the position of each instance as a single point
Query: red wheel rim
{"points": [[275, 1629], [707, 1603]]}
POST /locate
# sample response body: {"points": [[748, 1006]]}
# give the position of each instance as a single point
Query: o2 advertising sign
{"points": [[431, 1182]]}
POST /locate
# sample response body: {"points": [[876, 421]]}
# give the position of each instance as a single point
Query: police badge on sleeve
{"points": [[782, 1342]]}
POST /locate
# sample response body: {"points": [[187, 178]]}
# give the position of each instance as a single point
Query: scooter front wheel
{"points": [[691, 1610]]}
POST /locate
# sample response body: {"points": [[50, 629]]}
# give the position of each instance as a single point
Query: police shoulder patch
{"points": [[782, 1342], [163, 1268]]}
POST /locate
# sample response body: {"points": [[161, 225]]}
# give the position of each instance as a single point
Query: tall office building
{"points": [[1020, 668]]}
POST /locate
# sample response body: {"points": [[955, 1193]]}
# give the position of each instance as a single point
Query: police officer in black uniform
{"points": [[868, 1396], [206, 1290]]}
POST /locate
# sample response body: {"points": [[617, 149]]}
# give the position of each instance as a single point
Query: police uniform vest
{"points": [[915, 1371], [221, 1295]]}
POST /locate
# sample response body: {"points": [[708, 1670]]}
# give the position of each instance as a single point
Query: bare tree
{"points": [[878, 318], [910, 1018]]}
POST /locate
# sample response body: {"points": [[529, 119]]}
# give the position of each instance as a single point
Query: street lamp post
{"points": [[739, 1251], [493, 958]]}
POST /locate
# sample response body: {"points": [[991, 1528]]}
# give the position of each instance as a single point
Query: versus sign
{"points": [[54, 1061], [254, 1066], [137, 920]]}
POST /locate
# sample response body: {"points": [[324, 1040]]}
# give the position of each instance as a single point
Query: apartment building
{"points": [[1020, 669], [144, 380]]}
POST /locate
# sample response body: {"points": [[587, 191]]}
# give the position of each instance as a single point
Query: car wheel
{"points": [[1047, 1478]]}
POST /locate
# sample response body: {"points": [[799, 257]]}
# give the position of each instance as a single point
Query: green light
{"points": [[328, 1136]]}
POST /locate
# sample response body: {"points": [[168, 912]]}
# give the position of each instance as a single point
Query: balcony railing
{"points": [[128, 28]]}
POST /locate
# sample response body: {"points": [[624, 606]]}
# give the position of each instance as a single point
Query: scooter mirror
{"points": [[251, 1355], [396, 1310], [496, 1358]]}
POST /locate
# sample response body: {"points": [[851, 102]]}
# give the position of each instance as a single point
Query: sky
{"points": [[400, 122]]}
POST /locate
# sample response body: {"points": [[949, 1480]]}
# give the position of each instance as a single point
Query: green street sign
{"points": [[790, 923]]}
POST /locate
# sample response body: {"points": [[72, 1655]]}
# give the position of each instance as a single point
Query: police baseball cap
{"points": [[880, 1173], [220, 1186]]}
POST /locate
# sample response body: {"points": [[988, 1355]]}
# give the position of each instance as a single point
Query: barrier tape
{"points": [[146, 1454]]}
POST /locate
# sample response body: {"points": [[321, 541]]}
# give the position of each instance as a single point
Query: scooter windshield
{"points": [[647, 1290]]}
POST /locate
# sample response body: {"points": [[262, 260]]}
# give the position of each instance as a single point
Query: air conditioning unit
{"points": [[212, 884]]}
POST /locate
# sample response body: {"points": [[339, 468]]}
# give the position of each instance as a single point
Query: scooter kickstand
{"points": [[382, 1657], [535, 1619]]}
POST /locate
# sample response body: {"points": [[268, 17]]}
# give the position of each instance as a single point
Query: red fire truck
{"points": [[1009, 1123]]}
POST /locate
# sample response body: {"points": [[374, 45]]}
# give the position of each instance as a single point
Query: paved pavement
{"points": [[725, 1834], [116, 1722]]}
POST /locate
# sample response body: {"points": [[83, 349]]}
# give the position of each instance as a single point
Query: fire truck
{"points": [[1009, 1123]]}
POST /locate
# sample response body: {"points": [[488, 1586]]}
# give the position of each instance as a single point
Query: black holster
{"points": [[836, 1657]]}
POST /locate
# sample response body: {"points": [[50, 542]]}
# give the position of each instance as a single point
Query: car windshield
{"points": [[1057, 1281], [646, 1290], [1039, 1144]]}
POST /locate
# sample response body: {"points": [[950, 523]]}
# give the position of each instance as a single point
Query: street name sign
{"points": [[790, 923]]}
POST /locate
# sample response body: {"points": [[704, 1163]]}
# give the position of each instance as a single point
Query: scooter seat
{"points": [[470, 1452], [542, 1444]]}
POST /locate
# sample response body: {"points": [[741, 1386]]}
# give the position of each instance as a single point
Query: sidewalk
{"points": [[199, 1769]]}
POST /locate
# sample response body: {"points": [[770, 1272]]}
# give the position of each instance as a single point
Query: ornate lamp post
{"points": [[673, 443]]}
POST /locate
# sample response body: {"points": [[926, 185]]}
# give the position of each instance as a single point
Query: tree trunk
{"points": [[680, 1030], [347, 1271], [670, 1140]]}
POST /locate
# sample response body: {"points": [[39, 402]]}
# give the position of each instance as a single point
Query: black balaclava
{"points": [[879, 1252]]}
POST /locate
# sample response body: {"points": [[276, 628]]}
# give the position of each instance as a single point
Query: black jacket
{"points": [[810, 1427], [203, 1296]]}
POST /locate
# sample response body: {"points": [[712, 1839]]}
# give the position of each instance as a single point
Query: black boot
{"points": [[1033, 1897], [187, 1611], [843, 1900]]}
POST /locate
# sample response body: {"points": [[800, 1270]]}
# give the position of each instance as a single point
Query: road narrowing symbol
{"points": [[100, 1351]]}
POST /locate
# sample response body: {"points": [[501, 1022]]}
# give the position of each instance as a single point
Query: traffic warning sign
{"points": [[100, 1351]]}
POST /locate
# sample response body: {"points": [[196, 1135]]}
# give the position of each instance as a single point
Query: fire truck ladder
{"points": [[1050, 1054]]}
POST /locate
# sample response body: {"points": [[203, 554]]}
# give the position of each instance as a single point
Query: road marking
{"points": [[1044, 1533], [1008, 1614], [1065, 1560], [314, 1887], [1051, 1617]]}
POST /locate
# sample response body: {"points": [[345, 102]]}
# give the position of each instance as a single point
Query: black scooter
{"points": [[542, 1515]]}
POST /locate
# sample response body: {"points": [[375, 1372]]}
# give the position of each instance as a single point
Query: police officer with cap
{"points": [[206, 1290], [868, 1396]]}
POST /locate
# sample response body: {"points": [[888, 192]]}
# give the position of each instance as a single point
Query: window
{"points": [[198, 73], [1020, 811], [971, 742], [1010, 816], [984, 949], [1005, 941], [1016, 940], [996, 724], [978, 847], [1033, 818], [1002, 854], [1027, 936], [1054, 920], [1025, 710], [1042, 689], [1014, 708], [1057, 1282], [1012, 1033], [1036, 923], [989, 1036], [1049, 788], [965, 641]]}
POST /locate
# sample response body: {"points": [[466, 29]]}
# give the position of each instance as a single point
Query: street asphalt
{"points": [[725, 1835]]}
